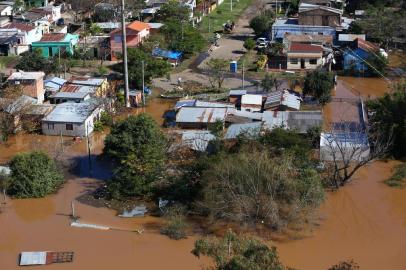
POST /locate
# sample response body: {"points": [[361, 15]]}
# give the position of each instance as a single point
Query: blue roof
{"points": [[185, 103], [157, 52], [54, 83]]}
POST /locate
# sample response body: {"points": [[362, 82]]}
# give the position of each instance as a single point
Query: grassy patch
{"points": [[221, 15], [8, 61], [398, 179]]}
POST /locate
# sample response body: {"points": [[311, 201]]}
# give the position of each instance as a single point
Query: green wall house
{"points": [[52, 44]]}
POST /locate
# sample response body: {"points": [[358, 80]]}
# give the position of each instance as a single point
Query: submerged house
{"points": [[344, 146], [72, 119], [282, 100], [56, 43], [356, 54], [300, 121], [200, 117], [251, 103]]}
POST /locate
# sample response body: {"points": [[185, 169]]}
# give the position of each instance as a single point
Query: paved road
{"points": [[231, 47]]}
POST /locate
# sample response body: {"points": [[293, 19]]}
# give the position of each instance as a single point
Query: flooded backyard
{"points": [[364, 221]]}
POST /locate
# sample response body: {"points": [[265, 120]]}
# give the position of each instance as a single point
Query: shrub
{"points": [[398, 178], [176, 225], [33, 175]]}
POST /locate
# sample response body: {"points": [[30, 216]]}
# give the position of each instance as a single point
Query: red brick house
{"points": [[136, 32]]}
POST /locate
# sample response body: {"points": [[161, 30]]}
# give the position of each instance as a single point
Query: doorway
{"points": [[302, 64]]}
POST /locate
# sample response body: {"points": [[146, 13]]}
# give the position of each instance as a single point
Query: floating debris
{"points": [[91, 226], [138, 211], [45, 257]]}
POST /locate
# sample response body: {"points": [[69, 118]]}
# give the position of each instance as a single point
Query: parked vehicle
{"points": [[262, 40]]}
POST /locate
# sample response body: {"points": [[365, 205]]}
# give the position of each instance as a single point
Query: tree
{"points": [[4, 183], [217, 69], [235, 252], [345, 265], [355, 28], [33, 175], [34, 61], [173, 10], [378, 63], [347, 147], [262, 23], [181, 36], [249, 44], [259, 188], [153, 68], [138, 147], [269, 82], [319, 84], [388, 117], [94, 29]]}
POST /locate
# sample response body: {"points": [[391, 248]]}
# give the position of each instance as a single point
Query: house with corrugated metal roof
{"points": [[357, 53], [32, 83], [72, 119], [200, 117], [56, 43], [300, 121], [282, 100]]}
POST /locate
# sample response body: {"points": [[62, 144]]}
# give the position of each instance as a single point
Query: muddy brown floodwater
{"points": [[364, 221]]}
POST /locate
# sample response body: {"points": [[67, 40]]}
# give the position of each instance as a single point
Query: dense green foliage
{"points": [[33, 175], [270, 82], [181, 36], [235, 252], [319, 84], [389, 118], [398, 178], [175, 227], [249, 44], [262, 23], [153, 68], [173, 10], [34, 61], [256, 187], [138, 147], [379, 64], [345, 265]]}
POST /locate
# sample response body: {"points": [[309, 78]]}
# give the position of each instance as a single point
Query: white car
{"points": [[262, 40], [262, 45]]}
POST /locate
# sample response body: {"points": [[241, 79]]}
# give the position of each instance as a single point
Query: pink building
{"points": [[136, 32]]}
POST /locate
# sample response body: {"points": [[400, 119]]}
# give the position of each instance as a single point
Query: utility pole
{"points": [[243, 79], [125, 64], [231, 5], [72, 205], [143, 82], [88, 150], [209, 24]]}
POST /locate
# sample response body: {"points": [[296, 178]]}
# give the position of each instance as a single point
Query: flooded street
{"points": [[364, 221]]}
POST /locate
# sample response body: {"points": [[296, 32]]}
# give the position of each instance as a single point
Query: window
{"points": [[117, 38], [313, 61], [51, 126], [294, 61], [69, 127]]}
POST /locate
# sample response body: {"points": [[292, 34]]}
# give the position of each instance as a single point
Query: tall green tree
{"points": [[153, 68], [389, 118], [34, 61], [238, 252], [181, 36], [270, 82], [173, 10], [262, 23], [249, 44], [319, 84], [33, 175], [138, 147]]}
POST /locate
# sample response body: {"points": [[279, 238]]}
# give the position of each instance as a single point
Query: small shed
{"points": [[33, 258], [251, 130], [282, 100], [251, 103], [235, 96]]}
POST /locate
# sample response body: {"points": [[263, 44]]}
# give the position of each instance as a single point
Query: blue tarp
{"points": [[157, 52]]}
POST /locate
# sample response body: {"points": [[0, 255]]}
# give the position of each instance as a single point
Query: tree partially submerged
{"points": [[319, 84], [254, 187], [33, 175], [138, 147], [233, 252]]}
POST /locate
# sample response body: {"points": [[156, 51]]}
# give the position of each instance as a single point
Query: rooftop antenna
{"points": [[125, 61]]}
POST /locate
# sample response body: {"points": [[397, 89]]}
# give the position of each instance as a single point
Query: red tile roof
{"points": [[138, 26], [366, 45], [53, 37], [305, 48], [19, 26]]}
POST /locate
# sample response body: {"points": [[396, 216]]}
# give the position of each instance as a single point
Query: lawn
{"points": [[221, 15]]}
